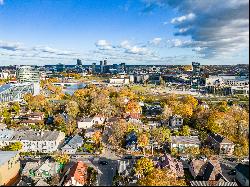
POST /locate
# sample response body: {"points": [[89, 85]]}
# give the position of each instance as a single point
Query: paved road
{"points": [[107, 172]]}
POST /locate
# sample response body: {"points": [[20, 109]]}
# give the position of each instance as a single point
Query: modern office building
{"points": [[15, 92], [27, 74], [78, 62]]}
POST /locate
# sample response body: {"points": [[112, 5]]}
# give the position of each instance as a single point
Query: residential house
{"points": [[71, 146], [32, 118], [221, 144], [86, 123], [206, 170], [182, 142], [9, 167], [33, 172], [171, 163], [35, 141], [5, 136], [175, 121], [125, 167], [242, 174], [131, 141], [77, 175]]}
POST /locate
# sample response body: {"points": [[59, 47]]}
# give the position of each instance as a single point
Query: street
{"points": [[106, 172]]}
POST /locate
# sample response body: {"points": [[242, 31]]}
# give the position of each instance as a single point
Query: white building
{"points": [[27, 74], [15, 92], [175, 121], [4, 75], [34, 141], [86, 123], [118, 81], [182, 142], [71, 146]]}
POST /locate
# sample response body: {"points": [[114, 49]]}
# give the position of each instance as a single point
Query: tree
{"points": [[143, 141], [119, 130], [143, 166], [167, 112], [16, 146], [16, 107], [72, 109], [97, 137], [161, 177], [161, 135], [62, 158], [185, 131]]}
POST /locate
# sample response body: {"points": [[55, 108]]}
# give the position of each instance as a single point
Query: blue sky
{"points": [[131, 31]]}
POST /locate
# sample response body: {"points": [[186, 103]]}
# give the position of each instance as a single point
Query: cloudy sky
{"points": [[131, 31]]}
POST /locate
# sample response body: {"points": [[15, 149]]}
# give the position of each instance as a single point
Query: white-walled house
{"points": [[87, 123], [36, 141], [175, 121], [182, 142]]}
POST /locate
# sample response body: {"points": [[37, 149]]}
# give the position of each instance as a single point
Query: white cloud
{"points": [[103, 45], [1, 2], [156, 41], [181, 19], [218, 27]]}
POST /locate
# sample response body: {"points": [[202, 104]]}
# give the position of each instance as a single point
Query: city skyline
{"points": [[135, 32]]}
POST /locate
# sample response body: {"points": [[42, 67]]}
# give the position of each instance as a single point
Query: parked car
{"points": [[128, 157], [103, 162], [232, 172]]}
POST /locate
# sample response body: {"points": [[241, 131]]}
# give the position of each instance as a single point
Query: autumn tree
{"points": [[16, 107], [62, 158], [161, 177], [161, 135], [185, 131], [143, 141], [72, 108], [143, 166], [15, 146], [167, 112]]}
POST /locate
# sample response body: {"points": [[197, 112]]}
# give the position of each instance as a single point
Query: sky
{"points": [[165, 32]]}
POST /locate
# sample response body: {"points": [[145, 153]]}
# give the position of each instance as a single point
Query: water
{"points": [[72, 88]]}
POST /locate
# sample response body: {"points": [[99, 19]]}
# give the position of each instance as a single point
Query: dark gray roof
{"points": [[219, 138], [243, 169]]}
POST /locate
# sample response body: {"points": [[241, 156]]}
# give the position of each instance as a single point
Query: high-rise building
{"points": [[93, 67], [196, 75], [60, 67], [122, 67], [78, 62], [105, 62], [27, 74]]}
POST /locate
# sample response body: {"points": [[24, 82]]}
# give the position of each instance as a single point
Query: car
{"points": [[128, 157], [103, 162], [232, 172], [232, 159], [138, 157]]}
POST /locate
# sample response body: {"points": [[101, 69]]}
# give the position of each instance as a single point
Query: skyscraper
{"points": [[196, 74], [78, 62]]}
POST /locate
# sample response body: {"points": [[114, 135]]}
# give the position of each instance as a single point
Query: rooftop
{"points": [[5, 156], [185, 139]]}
